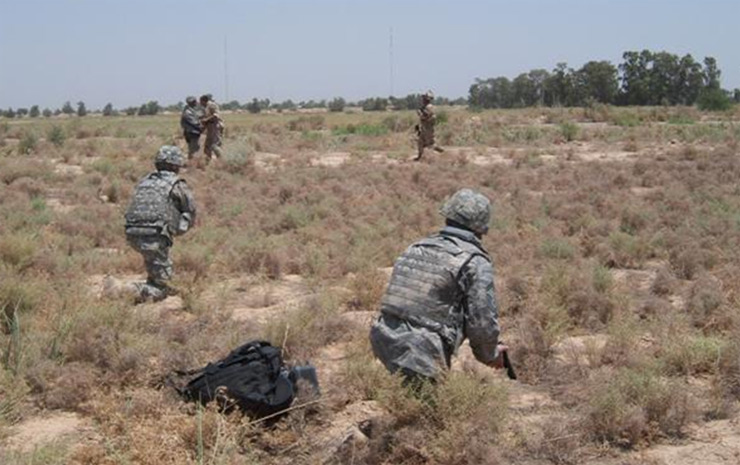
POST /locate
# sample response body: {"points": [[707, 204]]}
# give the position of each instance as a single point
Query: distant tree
{"points": [[286, 105], [337, 104], [636, 77], [711, 73], [714, 99], [34, 112], [21, 112], [130, 111], [254, 106], [149, 109], [736, 96], [47, 113], [108, 109], [232, 105], [57, 112], [67, 108], [597, 80], [81, 109], [374, 104], [9, 113]]}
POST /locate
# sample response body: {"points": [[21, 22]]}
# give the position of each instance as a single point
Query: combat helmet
{"points": [[429, 95], [191, 100], [468, 208], [169, 155]]}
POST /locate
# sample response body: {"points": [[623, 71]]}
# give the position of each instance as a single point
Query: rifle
{"points": [[509, 367]]}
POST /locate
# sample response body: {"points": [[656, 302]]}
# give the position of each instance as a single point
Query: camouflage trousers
{"points": [[424, 139], [212, 145], [193, 143], [156, 252]]}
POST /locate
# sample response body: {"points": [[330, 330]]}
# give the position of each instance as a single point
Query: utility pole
{"points": [[226, 71], [390, 58]]}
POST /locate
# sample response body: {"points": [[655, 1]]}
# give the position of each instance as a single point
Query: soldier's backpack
{"points": [[251, 377]]}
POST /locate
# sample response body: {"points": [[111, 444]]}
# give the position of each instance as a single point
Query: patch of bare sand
{"points": [[714, 443], [66, 169], [267, 161], [259, 301], [584, 351], [331, 159], [39, 431]]}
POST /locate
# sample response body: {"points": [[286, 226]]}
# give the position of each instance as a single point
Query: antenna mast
{"points": [[226, 71], [390, 58]]}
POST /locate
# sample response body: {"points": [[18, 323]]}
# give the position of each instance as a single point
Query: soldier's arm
{"points": [[481, 319], [185, 202]]}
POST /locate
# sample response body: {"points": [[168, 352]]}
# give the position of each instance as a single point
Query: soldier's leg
{"points": [[158, 266], [193, 145], [217, 143], [208, 147], [419, 148]]}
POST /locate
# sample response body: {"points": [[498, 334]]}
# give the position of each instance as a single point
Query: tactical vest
{"points": [[424, 288], [152, 205]]}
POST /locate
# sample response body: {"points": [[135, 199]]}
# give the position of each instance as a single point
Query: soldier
{"points": [[190, 123], [162, 207], [441, 292], [214, 127], [425, 128]]}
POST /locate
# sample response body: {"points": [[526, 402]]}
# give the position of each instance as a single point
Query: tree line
{"points": [[642, 78]]}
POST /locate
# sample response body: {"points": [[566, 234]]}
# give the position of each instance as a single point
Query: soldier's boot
{"points": [[150, 292]]}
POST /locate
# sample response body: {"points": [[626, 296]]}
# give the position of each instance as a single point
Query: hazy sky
{"points": [[127, 52]]}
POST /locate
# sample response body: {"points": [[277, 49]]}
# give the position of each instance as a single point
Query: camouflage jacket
{"points": [[427, 118], [211, 115], [162, 204], [440, 293], [190, 120]]}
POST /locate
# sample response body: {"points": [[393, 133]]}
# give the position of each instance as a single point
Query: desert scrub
{"points": [[313, 324], [633, 406]]}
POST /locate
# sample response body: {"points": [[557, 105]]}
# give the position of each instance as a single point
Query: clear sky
{"points": [[128, 52]]}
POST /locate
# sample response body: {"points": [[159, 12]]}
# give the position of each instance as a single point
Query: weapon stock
{"points": [[509, 367]]}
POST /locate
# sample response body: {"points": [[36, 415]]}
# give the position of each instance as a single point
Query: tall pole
{"points": [[226, 71], [390, 58]]}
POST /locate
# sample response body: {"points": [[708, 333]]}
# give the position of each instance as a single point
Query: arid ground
{"points": [[615, 236]]}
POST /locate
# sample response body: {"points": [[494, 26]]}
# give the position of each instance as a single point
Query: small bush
{"points": [[557, 248], [569, 131], [634, 406], [714, 100], [27, 143], [367, 288], [692, 355], [306, 123]]}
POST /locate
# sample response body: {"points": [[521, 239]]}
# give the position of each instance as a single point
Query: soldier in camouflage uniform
{"points": [[162, 207], [425, 128], [441, 292], [190, 123], [214, 127]]}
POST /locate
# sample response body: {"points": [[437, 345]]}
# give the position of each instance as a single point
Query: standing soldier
{"points": [[162, 207], [190, 123], [214, 127], [425, 128], [440, 293]]}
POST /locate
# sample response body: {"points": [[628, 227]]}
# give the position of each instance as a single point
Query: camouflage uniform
{"points": [[214, 127], [190, 123], [441, 292], [162, 207], [425, 128]]}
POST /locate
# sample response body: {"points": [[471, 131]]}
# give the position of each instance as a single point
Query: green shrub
{"points": [[557, 248], [569, 131], [714, 100], [27, 143]]}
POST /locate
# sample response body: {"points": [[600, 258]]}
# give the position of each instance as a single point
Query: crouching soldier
{"points": [[441, 292], [162, 207]]}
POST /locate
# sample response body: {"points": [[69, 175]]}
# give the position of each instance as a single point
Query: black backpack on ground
{"points": [[251, 377]]}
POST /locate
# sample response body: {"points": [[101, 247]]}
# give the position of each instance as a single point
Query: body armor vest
{"points": [[424, 288], [152, 205]]}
